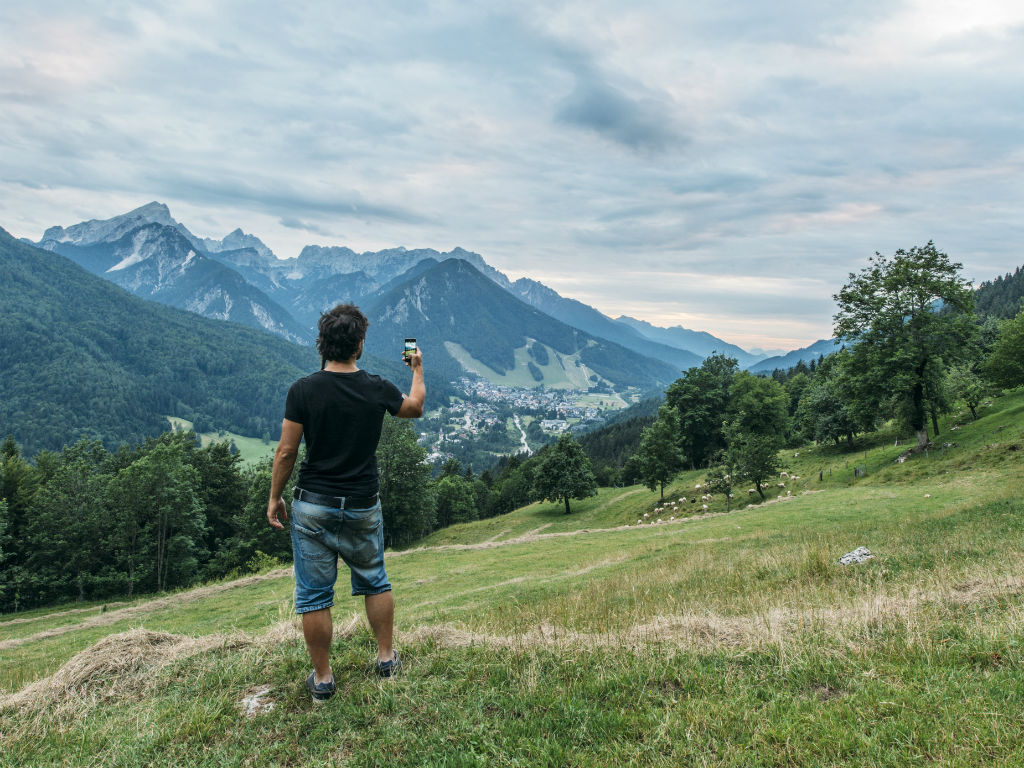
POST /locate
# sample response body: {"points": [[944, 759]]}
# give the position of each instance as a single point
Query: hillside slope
{"points": [[452, 302], [81, 357], [589, 639]]}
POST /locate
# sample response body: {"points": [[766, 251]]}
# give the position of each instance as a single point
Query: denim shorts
{"points": [[320, 535]]}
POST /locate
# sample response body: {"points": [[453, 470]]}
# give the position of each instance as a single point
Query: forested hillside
{"points": [[1002, 297], [84, 358]]}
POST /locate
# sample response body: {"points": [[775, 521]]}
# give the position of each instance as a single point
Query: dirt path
{"points": [[30, 619]]}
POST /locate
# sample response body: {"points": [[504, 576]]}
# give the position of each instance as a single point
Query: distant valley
{"points": [[494, 347]]}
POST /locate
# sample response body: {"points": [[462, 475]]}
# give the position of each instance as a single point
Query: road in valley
{"points": [[519, 426]]}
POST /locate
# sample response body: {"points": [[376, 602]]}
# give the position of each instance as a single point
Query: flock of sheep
{"points": [[706, 498]]}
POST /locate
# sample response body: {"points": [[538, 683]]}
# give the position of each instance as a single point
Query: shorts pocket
{"points": [[363, 519], [309, 542]]}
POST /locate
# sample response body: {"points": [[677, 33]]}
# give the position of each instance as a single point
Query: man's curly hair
{"points": [[341, 330]]}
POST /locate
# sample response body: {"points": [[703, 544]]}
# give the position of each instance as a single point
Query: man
{"points": [[335, 508]]}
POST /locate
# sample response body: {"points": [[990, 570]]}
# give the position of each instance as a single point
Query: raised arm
{"points": [[412, 405]]}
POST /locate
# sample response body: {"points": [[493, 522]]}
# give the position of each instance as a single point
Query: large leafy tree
{"points": [[701, 397], [890, 310], [758, 405], [406, 494], [659, 458], [563, 472]]}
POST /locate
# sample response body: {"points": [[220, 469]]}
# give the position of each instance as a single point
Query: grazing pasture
{"points": [[539, 638]]}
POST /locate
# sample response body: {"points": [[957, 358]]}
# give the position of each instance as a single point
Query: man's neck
{"points": [[342, 366]]}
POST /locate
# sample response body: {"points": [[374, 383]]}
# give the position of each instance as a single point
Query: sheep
{"points": [[781, 485], [751, 491], [646, 515], [673, 517], [697, 487], [659, 519], [784, 475], [705, 506]]}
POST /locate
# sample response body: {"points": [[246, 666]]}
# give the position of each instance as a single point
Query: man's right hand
{"points": [[276, 508]]}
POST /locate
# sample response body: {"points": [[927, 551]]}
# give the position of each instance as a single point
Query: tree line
{"points": [[85, 523], [90, 523], [912, 349]]}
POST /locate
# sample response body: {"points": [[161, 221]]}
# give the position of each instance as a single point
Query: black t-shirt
{"points": [[341, 416]]}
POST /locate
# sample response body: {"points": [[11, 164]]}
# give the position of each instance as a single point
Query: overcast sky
{"points": [[717, 165]]}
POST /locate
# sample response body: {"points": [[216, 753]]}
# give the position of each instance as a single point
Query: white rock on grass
{"points": [[256, 703], [859, 555]]}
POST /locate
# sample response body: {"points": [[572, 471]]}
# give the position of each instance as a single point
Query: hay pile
{"points": [[118, 666]]}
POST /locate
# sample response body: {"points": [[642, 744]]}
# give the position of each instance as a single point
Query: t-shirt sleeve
{"points": [[391, 396], [293, 404]]}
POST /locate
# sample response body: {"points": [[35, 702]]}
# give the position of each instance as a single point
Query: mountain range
{"points": [[488, 329], [82, 357]]}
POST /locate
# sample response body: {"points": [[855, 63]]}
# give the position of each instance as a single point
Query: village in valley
{"points": [[502, 419]]}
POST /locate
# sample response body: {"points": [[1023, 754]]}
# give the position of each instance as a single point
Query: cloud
{"points": [[565, 139], [292, 223], [636, 123]]}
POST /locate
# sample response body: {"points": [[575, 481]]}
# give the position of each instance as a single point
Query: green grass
{"points": [[252, 449], [733, 639]]}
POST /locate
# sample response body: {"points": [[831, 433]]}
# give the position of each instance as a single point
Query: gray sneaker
{"points": [[320, 692], [389, 668]]}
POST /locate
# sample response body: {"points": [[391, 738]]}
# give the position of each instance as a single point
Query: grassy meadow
{"points": [[544, 639], [252, 449]]}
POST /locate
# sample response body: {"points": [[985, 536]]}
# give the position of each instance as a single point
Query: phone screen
{"points": [[410, 349]]}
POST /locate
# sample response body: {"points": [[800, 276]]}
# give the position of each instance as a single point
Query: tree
{"points": [[755, 457], [795, 388], [67, 538], [456, 500], [964, 384], [159, 519], [823, 413], [406, 494], [4, 550], [758, 405], [891, 313], [563, 472], [659, 458], [1005, 365], [720, 480], [701, 397]]}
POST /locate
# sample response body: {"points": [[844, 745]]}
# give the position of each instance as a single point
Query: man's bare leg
{"points": [[380, 611], [318, 629]]}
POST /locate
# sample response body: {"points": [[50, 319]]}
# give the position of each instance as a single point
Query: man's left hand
{"points": [[276, 509]]}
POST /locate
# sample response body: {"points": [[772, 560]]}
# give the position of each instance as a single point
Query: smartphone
{"points": [[410, 349]]}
